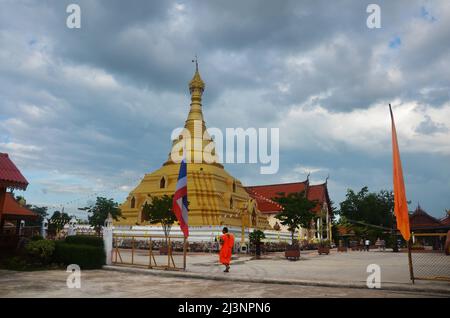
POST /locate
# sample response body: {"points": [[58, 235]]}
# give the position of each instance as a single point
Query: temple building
{"points": [[12, 213], [320, 226], [216, 198], [422, 222]]}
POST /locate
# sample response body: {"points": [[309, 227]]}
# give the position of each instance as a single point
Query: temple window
{"points": [[162, 183], [234, 186], [144, 212], [231, 203], [133, 203]]}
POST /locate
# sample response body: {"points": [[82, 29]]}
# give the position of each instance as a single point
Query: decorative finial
{"points": [[196, 83], [307, 177], [326, 180], [196, 62]]}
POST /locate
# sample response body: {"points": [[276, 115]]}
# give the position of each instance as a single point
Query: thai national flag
{"points": [[180, 201]]}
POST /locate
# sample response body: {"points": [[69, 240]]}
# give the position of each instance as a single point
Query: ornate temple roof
{"points": [[10, 175], [265, 205], [263, 194], [319, 192], [273, 190], [12, 209], [420, 219], [446, 220]]}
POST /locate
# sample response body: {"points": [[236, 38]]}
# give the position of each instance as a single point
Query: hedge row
{"points": [[85, 256], [85, 240]]}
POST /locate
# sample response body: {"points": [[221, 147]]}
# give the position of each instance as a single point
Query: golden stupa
{"points": [[215, 197]]}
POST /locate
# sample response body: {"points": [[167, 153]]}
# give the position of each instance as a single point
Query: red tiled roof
{"points": [[273, 190], [446, 220], [317, 192], [421, 219], [12, 208], [263, 194], [10, 176], [265, 205]]}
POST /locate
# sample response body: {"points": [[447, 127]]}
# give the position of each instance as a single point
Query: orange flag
{"points": [[400, 204]]}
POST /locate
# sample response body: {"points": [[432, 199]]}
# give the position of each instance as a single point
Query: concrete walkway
{"points": [[347, 270], [106, 283]]}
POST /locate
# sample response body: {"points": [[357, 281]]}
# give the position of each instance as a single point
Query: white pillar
{"points": [[108, 239], [72, 227], [21, 226], [44, 228], [318, 229], [327, 224]]}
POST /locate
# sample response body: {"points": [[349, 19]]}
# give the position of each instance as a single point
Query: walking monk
{"points": [[227, 241]]}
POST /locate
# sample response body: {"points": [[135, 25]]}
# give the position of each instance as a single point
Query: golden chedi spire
{"points": [[196, 88], [194, 125]]}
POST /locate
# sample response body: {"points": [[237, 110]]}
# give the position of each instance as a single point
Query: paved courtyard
{"points": [[204, 278], [349, 267], [103, 283]]}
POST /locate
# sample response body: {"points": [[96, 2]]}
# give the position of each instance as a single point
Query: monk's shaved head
{"points": [[225, 230]]}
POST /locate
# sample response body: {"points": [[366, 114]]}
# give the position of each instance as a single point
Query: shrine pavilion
{"points": [[12, 213]]}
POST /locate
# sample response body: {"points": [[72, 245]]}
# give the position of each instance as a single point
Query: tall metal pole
{"points": [[242, 231], [184, 252], [411, 271]]}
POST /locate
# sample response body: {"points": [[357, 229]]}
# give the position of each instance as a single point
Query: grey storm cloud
{"points": [[429, 127], [100, 102]]}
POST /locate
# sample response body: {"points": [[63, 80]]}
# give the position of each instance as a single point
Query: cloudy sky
{"points": [[88, 111]]}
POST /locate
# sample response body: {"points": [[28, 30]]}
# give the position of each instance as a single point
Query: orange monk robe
{"points": [[227, 248]]}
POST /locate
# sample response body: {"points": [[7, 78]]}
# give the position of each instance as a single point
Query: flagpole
{"points": [[186, 242], [411, 271]]}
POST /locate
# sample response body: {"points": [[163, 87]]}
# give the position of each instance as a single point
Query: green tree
{"points": [[297, 211], [21, 200], [255, 238], [159, 210], [367, 213], [372, 208], [334, 222], [99, 211], [41, 211]]}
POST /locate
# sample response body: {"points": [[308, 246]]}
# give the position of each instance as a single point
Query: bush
{"points": [[85, 240], [15, 263], [36, 238], [324, 243], [256, 236], [85, 256], [41, 250]]}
